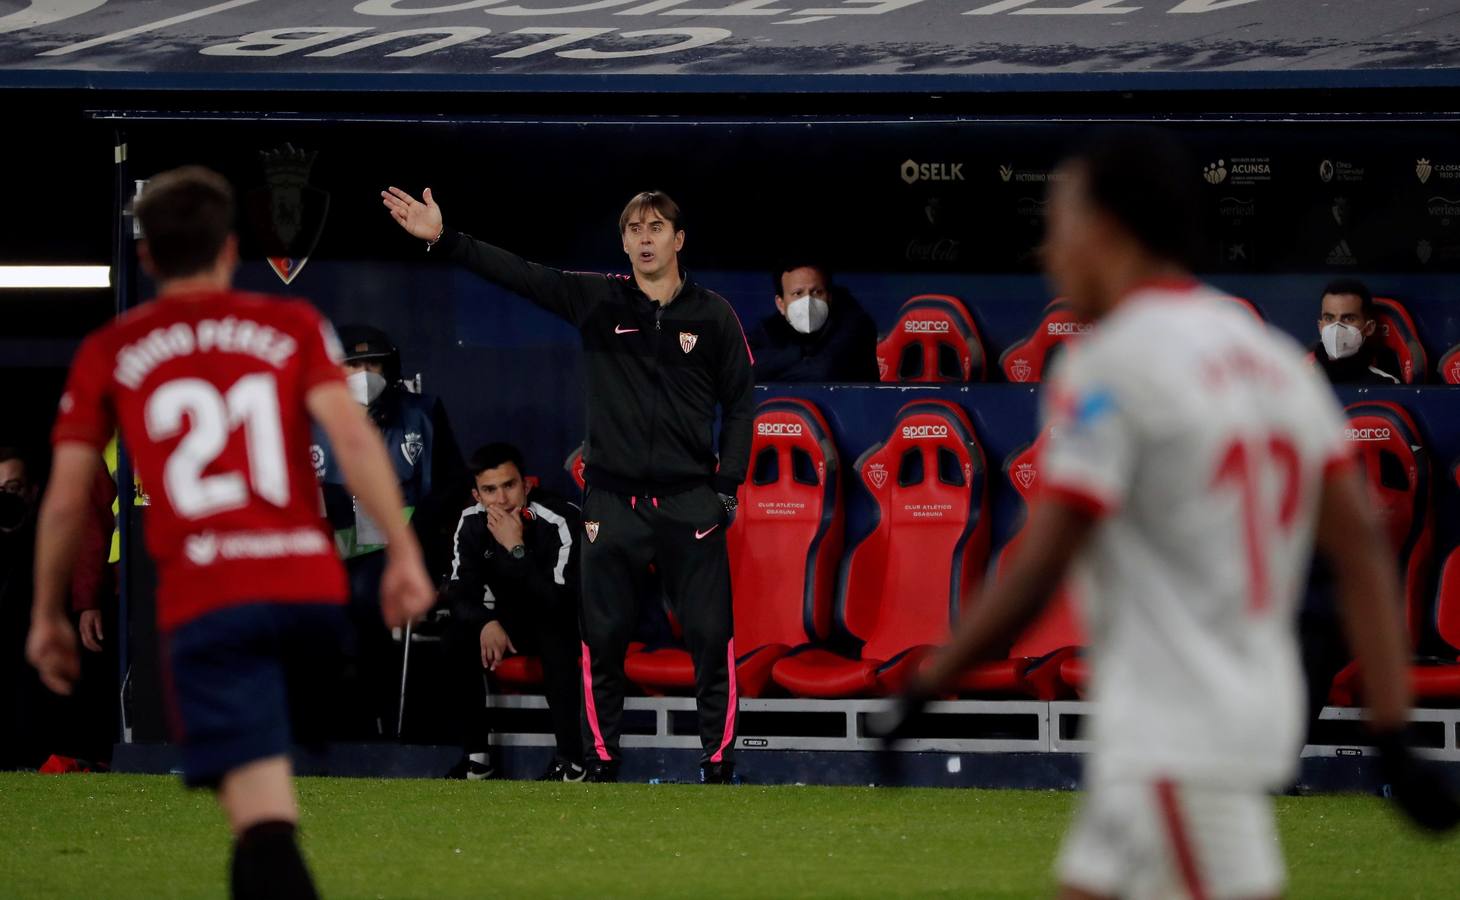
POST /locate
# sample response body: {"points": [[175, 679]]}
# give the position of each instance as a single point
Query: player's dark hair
{"points": [[186, 214], [7, 453], [794, 263], [1145, 180], [1355, 287], [657, 201], [490, 456]]}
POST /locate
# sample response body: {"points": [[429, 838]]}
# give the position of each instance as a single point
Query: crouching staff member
{"points": [[428, 468], [662, 353], [514, 589]]}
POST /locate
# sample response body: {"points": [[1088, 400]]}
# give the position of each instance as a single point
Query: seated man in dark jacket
{"points": [[514, 589], [1347, 350], [818, 333]]}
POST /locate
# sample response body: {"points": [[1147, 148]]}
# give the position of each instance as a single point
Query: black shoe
{"points": [[602, 771], [562, 770], [473, 769], [718, 773]]}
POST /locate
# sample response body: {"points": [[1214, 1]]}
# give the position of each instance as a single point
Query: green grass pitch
{"points": [[120, 836]]}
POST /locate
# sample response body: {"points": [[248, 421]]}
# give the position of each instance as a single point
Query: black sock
{"points": [[267, 864]]}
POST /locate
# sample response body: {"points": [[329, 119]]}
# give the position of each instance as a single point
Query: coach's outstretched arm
{"points": [[564, 294], [1370, 604], [406, 592]]}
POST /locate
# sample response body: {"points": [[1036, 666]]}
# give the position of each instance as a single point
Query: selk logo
{"points": [[925, 326], [914, 171], [1024, 474], [877, 474], [779, 429], [687, 341], [287, 214]]}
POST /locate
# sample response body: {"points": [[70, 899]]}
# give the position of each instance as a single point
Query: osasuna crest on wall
{"points": [[591, 529], [412, 447], [286, 214], [877, 474], [687, 341]]}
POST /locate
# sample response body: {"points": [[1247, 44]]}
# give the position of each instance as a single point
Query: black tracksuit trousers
{"points": [[683, 537]]}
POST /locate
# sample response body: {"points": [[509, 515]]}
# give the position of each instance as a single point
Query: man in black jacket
{"points": [[818, 333], [662, 353], [514, 589], [1347, 350]]}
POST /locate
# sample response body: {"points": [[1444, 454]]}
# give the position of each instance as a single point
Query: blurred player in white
{"points": [[1194, 457]]}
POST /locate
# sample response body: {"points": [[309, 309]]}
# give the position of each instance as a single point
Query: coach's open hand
{"points": [[422, 220], [51, 648]]}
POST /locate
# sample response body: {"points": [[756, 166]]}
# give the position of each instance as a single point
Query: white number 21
{"points": [[252, 402]]}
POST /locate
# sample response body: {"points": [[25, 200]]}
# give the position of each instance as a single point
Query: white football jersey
{"points": [[1202, 436]]}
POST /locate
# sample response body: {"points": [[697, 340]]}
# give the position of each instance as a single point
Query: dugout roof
{"points": [[730, 45]]}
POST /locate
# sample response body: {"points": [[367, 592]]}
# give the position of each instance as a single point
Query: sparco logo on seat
{"points": [[921, 326], [1063, 328], [778, 428], [924, 431], [1367, 434]]}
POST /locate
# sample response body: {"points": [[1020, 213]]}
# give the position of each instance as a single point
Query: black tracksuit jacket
{"points": [[654, 373]]}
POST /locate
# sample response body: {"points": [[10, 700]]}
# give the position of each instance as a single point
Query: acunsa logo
{"points": [[1061, 329], [779, 429], [920, 432], [925, 326], [1367, 434]]}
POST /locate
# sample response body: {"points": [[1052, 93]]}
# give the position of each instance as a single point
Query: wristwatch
{"points": [[519, 552]]}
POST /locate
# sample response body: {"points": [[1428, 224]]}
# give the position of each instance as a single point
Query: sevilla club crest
{"points": [[591, 528], [286, 214], [687, 341]]}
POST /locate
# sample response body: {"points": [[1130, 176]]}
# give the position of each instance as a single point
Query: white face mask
{"points": [[365, 386], [807, 314], [1341, 341]]}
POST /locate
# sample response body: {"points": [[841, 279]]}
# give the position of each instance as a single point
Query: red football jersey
{"points": [[208, 390]]}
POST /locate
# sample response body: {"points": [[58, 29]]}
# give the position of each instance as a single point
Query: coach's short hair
{"points": [[1358, 289], [186, 215], [1145, 180], [791, 264], [658, 201], [492, 456]]}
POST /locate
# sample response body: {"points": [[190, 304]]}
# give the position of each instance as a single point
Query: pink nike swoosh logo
{"points": [[619, 329], [701, 535]]}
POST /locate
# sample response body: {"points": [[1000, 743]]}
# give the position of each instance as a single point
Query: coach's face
{"points": [[652, 242], [1073, 239], [501, 488]]}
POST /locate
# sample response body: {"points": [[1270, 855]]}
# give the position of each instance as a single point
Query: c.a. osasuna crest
{"points": [[687, 341], [1025, 474], [877, 474], [412, 447], [591, 529], [1021, 370], [287, 215]]}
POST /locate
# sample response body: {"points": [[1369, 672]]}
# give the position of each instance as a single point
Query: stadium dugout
{"points": [[907, 142]]}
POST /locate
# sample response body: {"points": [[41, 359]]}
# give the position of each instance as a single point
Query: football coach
{"points": [[662, 353]]}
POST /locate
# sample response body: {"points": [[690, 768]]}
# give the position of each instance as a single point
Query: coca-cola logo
{"points": [[779, 429], [921, 432], [925, 326], [1367, 434]]}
